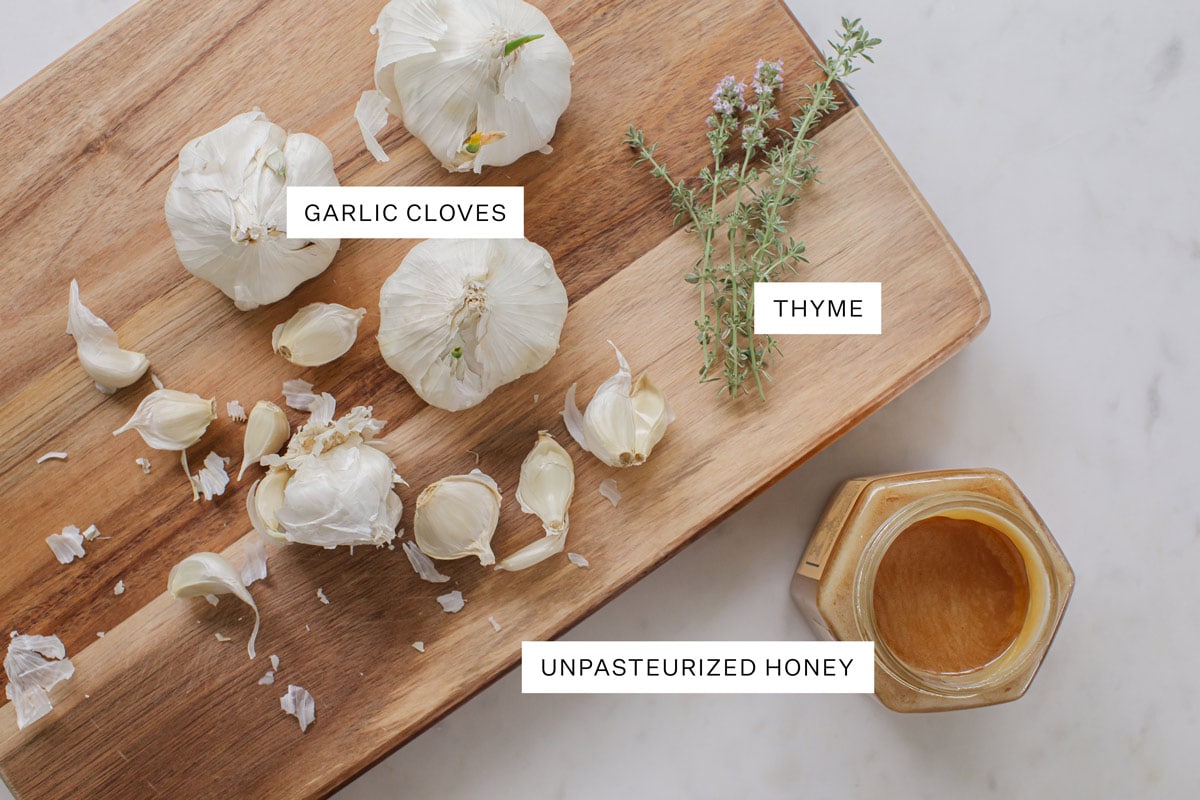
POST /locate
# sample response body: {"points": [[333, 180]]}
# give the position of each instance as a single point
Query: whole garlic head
{"points": [[331, 486], [462, 317], [317, 334], [479, 82], [227, 209], [457, 516], [624, 420]]}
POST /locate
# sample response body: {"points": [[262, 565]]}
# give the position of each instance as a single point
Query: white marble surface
{"points": [[1057, 141]]}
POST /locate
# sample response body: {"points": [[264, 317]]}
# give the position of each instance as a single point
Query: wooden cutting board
{"points": [[87, 149]]}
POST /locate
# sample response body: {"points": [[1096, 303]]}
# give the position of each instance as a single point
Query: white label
{"points": [[697, 667], [818, 308], [406, 212]]}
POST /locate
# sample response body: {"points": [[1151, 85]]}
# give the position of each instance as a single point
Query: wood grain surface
{"points": [[87, 149]]}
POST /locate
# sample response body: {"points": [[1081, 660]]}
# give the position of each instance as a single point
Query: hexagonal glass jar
{"points": [[951, 573]]}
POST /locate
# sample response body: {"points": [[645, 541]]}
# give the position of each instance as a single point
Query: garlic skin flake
{"points": [[546, 488], [33, 665], [462, 317], [68, 545], [331, 486], [300, 704], [317, 334], [624, 419], [227, 210], [267, 429], [209, 574], [96, 347], [479, 83], [457, 517], [171, 420]]}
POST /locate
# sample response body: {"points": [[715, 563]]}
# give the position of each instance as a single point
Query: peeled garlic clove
{"points": [[264, 500], [547, 483], [457, 516], [211, 574], [478, 83], [622, 423], [317, 334], [266, 431], [96, 347], [227, 210], [171, 420], [462, 317]]}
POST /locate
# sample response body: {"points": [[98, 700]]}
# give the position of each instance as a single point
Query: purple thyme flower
{"points": [[768, 77], [729, 96]]}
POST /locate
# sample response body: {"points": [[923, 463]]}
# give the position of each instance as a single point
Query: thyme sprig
{"points": [[747, 242]]}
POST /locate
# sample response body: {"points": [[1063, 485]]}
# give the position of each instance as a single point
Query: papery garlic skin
{"points": [[96, 347], [457, 516], [171, 420], [317, 334], [227, 209], [462, 317], [479, 82], [33, 665], [267, 429], [624, 421], [205, 574], [331, 486]]}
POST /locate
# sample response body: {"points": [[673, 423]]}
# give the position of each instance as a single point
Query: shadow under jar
{"points": [[951, 573]]}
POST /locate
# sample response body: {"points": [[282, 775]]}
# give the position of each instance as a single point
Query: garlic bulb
{"points": [[96, 347], [457, 516], [266, 430], [546, 487], [331, 486], [204, 574], [623, 421], [461, 317], [479, 83], [317, 334], [227, 209], [171, 420]]}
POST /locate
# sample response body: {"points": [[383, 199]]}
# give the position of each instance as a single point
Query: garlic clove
{"points": [[317, 334], [546, 487], [457, 516], [211, 574], [652, 414], [264, 500], [171, 420], [547, 483], [622, 423], [96, 347], [267, 430]]}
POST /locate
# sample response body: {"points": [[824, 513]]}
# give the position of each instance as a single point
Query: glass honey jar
{"points": [[951, 573]]}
